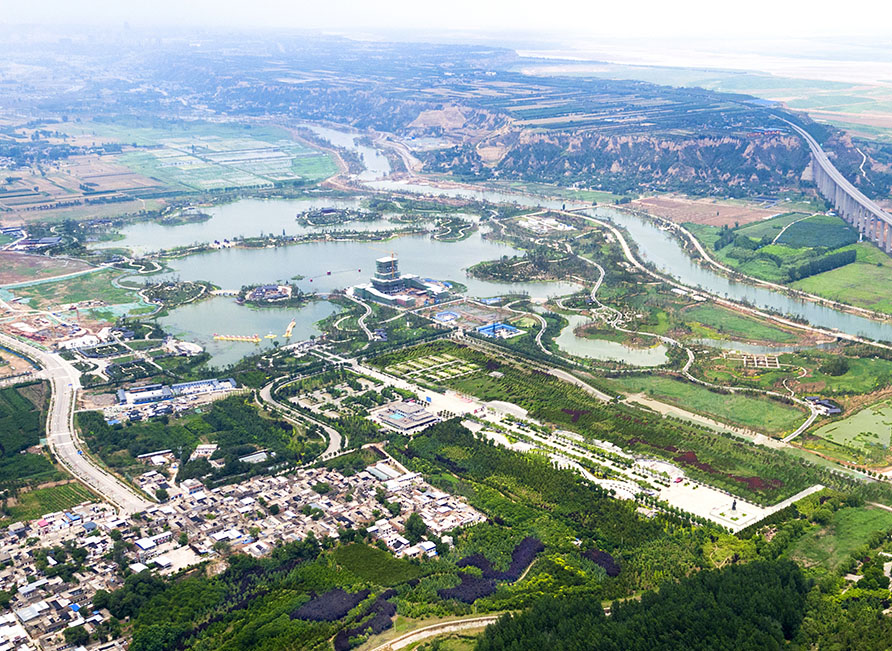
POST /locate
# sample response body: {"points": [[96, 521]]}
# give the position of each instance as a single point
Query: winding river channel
{"points": [[330, 265], [659, 247]]}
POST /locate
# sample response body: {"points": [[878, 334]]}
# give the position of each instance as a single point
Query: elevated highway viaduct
{"points": [[874, 223]]}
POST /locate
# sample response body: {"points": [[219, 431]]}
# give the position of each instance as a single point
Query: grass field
{"points": [[546, 189], [867, 282], [819, 230], [831, 545], [731, 324], [375, 565], [864, 375], [80, 288], [752, 412], [770, 227], [867, 428], [36, 503]]}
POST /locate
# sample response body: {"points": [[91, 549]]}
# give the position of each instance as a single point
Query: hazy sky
{"points": [[623, 18]]}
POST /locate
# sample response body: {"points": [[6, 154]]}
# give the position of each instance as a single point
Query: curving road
{"points": [[365, 315], [852, 195], [412, 638], [336, 442], [61, 435]]}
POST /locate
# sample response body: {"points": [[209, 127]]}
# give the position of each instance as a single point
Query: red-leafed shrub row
{"points": [[603, 559], [382, 612], [521, 557], [329, 606], [472, 588]]}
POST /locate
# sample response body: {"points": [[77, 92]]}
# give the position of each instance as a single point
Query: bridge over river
{"points": [[874, 223]]}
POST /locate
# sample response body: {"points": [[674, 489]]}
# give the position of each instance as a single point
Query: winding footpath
{"points": [[361, 319], [686, 369]]}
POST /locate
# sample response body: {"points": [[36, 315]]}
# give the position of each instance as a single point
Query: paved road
{"points": [[453, 626], [842, 182], [62, 437], [336, 442], [361, 320]]}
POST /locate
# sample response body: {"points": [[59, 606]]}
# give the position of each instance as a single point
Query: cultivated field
{"points": [[200, 157], [702, 211], [35, 503], [867, 282], [771, 227]]}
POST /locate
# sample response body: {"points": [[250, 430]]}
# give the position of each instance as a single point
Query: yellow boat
{"points": [[253, 339]]}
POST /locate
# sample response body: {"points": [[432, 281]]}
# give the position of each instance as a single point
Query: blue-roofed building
{"points": [[498, 329]]}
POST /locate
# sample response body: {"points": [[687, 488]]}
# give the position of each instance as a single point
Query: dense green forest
{"points": [[750, 607], [21, 427]]}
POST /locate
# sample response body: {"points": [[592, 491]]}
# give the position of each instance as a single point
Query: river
{"points": [[326, 266], [663, 250], [667, 254]]}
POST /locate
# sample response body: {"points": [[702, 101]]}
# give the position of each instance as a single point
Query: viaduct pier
{"points": [[874, 223]]}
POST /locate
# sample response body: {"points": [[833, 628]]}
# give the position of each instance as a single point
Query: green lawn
{"points": [[867, 282], [375, 565], [831, 545], [80, 288], [753, 412], [729, 323], [867, 428], [819, 230], [770, 227], [864, 375], [36, 503]]}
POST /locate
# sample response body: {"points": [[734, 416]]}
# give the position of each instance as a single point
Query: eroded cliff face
{"points": [[867, 164], [751, 164]]}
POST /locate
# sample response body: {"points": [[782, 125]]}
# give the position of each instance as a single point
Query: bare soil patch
{"points": [[450, 117], [22, 267], [702, 211]]}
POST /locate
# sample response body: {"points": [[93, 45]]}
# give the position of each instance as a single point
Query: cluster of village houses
{"points": [[197, 523]]}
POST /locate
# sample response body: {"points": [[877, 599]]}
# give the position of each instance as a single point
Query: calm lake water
{"points": [[199, 322], [335, 265], [325, 266], [241, 218], [570, 343]]}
